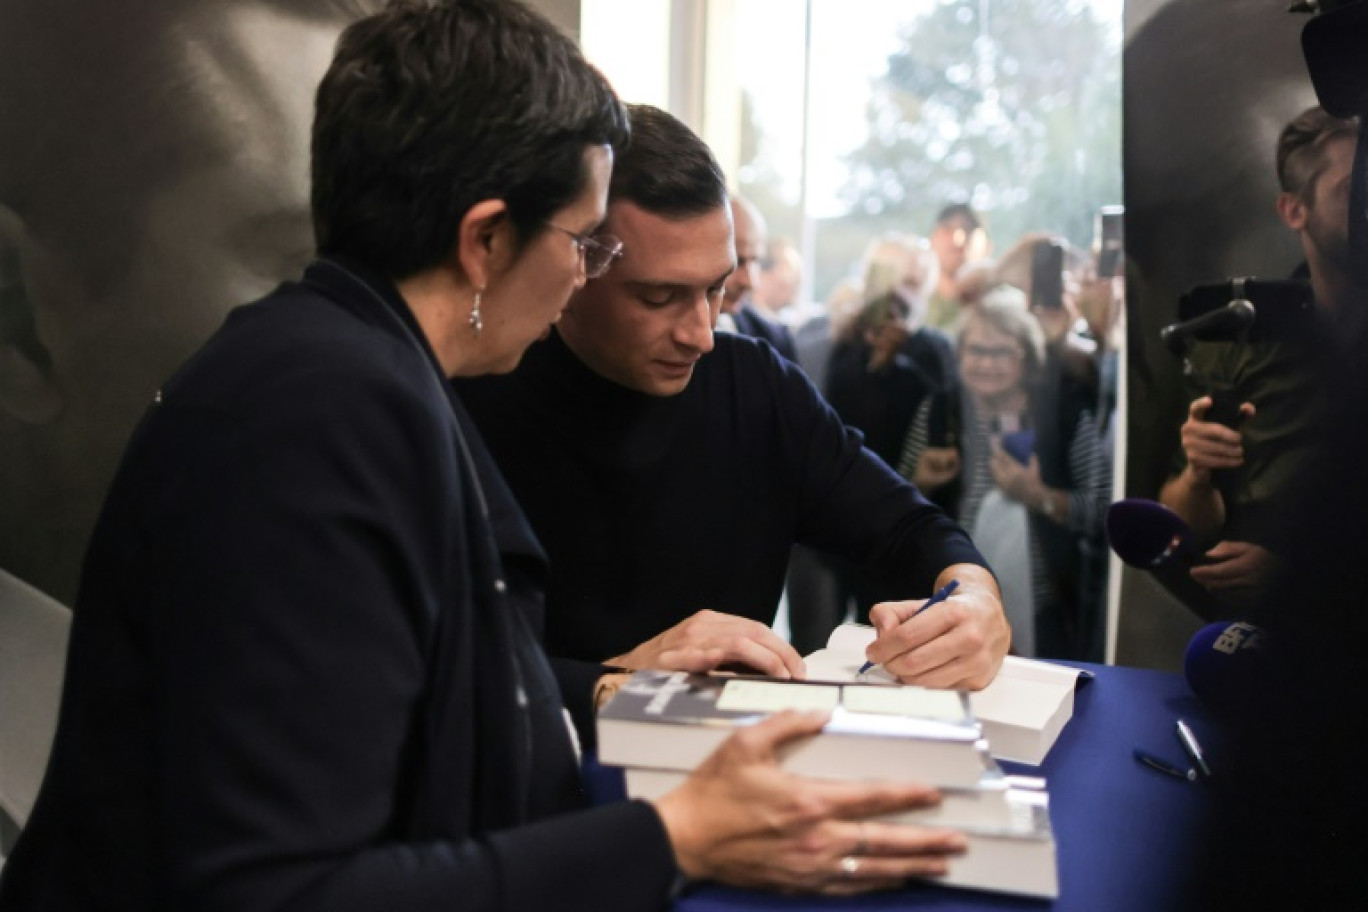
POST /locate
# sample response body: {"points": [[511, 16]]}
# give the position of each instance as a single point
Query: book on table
{"points": [[673, 720], [1007, 823], [660, 725], [997, 804], [1017, 861], [1021, 712]]}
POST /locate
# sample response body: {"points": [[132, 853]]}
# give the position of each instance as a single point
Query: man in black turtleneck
{"points": [[668, 470]]}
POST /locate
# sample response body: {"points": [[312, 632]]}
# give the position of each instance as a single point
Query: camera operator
{"points": [[1263, 450]]}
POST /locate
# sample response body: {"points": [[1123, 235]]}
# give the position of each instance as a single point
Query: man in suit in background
{"points": [[739, 304]]}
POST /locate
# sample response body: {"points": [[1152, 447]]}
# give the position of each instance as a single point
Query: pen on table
{"points": [[941, 595], [1163, 766], [1192, 748]]}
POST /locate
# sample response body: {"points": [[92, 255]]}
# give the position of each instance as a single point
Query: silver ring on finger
{"points": [[850, 866]]}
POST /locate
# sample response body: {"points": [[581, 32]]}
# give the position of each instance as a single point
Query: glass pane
{"points": [[862, 120]]}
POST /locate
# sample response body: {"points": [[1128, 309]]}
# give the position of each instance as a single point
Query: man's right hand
{"points": [[960, 644], [710, 639], [742, 820], [1209, 446]]}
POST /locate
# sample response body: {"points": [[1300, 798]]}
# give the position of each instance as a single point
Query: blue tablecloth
{"points": [[1125, 835]]}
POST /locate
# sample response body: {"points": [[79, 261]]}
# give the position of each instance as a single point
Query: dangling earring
{"points": [[476, 323]]}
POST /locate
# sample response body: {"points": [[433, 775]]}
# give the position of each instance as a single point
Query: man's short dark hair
{"points": [[1301, 149], [666, 169], [959, 211], [430, 107]]}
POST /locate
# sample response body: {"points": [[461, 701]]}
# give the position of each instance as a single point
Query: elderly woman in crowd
{"points": [[1035, 480]]}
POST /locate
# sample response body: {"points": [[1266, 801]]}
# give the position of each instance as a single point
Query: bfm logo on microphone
{"points": [[1237, 636]]}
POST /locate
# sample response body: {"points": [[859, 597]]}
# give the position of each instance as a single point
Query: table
{"points": [[1125, 835]]}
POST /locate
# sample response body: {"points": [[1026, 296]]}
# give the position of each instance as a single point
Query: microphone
{"points": [[1222, 323], [1147, 534], [1231, 667]]}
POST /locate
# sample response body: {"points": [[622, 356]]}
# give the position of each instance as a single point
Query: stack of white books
{"points": [[1022, 712], [661, 725]]}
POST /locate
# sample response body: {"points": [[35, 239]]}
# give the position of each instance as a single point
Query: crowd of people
{"points": [[379, 549], [993, 396], [1016, 440]]}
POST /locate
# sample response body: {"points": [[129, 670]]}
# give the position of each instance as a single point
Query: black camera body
{"points": [[1226, 311]]}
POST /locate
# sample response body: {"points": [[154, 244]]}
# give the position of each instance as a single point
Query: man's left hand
{"points": [[1238, 572], [959, 643]]}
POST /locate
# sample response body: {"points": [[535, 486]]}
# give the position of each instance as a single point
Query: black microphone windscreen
{"points": [[1147, 534]]}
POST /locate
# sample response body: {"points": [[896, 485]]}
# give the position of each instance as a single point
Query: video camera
{"points": [[1241, 310], [1246, 310]]}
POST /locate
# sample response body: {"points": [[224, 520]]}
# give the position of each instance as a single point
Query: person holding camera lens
{"points": [[1242, 455]]}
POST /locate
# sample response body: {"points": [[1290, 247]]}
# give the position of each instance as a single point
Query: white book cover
{"points": [[1022, 711]]}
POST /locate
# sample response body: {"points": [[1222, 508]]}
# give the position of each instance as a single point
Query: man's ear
{"points": [[483, 241], [27, 391], [1292, 210]]}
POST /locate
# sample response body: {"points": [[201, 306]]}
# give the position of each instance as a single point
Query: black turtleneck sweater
{"points": [[652, 508]]}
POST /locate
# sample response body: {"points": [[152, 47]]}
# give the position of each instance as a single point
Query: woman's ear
{"points": [[483, 240], [27, 391]]}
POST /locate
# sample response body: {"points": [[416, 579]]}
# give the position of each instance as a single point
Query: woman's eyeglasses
{"points": [[1002, 355], [596, 253]]}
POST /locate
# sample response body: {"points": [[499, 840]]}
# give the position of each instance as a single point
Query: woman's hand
{"points": [[1019, 482], [742, 820]]}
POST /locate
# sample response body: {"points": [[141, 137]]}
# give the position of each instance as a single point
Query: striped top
{"points": [[1089, 471]]}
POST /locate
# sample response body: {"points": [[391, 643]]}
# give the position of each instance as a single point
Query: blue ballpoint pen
{"points": [[941, 595], [1163, 766]]}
